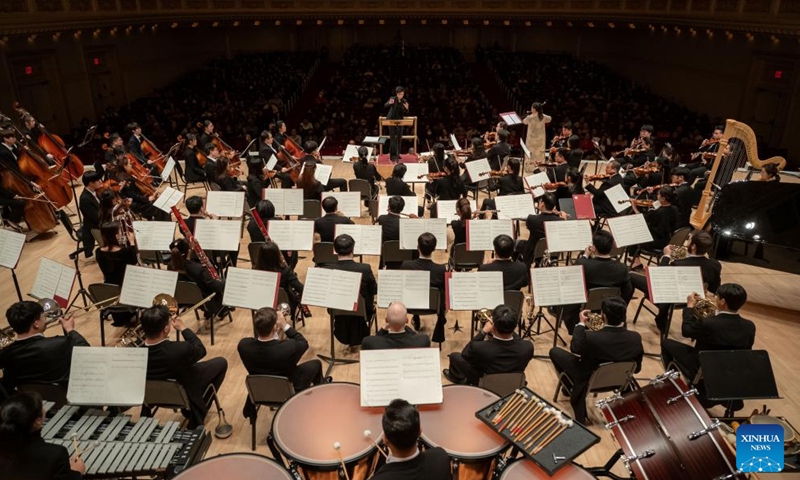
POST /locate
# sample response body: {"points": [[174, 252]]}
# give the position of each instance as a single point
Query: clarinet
{"points": [[260, 224], [198, 250]]}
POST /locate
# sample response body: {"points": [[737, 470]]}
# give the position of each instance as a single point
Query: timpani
{"points": [[525, 469], [236, 466]]}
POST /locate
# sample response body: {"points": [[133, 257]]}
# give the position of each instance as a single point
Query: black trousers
{"points": [[462, 369], [88, 240], [306, 374], [13, 209], [438, 330], [578, 382], [339, 183], [196, 380], [681, 354], [395, 137], [286, 180]]}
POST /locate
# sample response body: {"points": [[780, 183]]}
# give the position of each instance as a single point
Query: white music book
{"points": [[615, 195], [568, 236], [447, 209], [413, 374], [107, 376], [251, 289], [525, 149], [515, 207], [481, 233], [478, 170], [410, 208], [329, 288], [168, 199], [412, 228], [322, 173], [291, 234], [141, 285], [287, 201], [168, 167], [416, 173], [154, 235], [629, 230], [54, 280], [535, 183], [474, 290], [218, 234], [558, 286], [372, 140], [349, 202], [511, 118], [368, 237], [11, 244], [412, 287], [352, 151], [225, 204], [668, 284], [454, 141], [271, 162]]}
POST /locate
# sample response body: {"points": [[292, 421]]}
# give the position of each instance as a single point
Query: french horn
{"points": [[704, 308], [594, 321], [483, 315], [679, 252]]}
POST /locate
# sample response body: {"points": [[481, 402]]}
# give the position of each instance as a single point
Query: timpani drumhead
{"points": [[308, 424], [236, 466], [453, 426], [526, 470]]}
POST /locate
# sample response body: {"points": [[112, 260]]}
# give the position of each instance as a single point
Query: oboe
{"points": [[198, 250], [260, 223]]}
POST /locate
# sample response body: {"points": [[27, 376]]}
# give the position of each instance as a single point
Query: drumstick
{"points": [[337, 446], [507, 405], [525, 421], [368, 434], [567, 424], [75, 447], [543, 419], [90, 447], [514, 413], [523, 412], [513, 408], [545, 427], [536, 421], [545, 433]]}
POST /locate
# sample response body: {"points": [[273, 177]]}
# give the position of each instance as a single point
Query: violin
{"points": [[290, 154], [599, 176], [645, 169], [54, 145], [133, 166], [639, 202], [655, 188], [110, 183], [432, 175]]}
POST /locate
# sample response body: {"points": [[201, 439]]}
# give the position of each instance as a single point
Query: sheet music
{"points": [[525, 149], [412, 287], [511, 118], [558, 286], [349, 202], [168, 199], [410, 208], [371, 140], [536, 180], [629, 230], [447, 209], [478, 170], [251, 289], [414, 171], [271, 161], [287, 201], [54, 280], [351, 151], [330, 288], [454, 141], [170, 165], [368, 237], [413, 374], [412, 228], [154, 235], [669, 284], [515, 207], [474, 290], [141, 285], [218, 234], [11, 244], [568, 236], [615, 194], [481, 233], [291, 234], [107, 376], [225, 204]]}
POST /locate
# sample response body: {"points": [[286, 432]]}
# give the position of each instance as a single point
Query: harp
{"points": [[737, 147]]}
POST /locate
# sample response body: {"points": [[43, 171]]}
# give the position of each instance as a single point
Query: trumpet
{"points": [[133, 336], [594, 321]]}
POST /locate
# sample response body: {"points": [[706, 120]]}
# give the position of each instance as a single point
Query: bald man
{"points": [[396, 333]]}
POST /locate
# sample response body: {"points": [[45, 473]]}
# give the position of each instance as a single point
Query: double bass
{"points": [[54, 145], [154, 154], [38, 213]]}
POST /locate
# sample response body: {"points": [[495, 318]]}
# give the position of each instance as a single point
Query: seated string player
{"points": [[325, 225], [396, 333], [515, 273], [352, 330]]}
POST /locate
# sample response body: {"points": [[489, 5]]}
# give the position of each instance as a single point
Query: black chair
{"points": [[188, 294], [269, 391], [391, 253], [361, 313], [361, 186], [103, 292], [324, 254], [171, 395], [465, 260], [678, 238], [311, 210], [608, 377]]}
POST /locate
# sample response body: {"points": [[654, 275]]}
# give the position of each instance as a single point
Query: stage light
{"points": [[277, 23], [113, 31], [78, 33], [548, 23], [215, 24], [749, 36], [693, 32], [610, 25], [174, 25], [381, 21], [506, 23], [236, 23], [195, 24], [56, 36], [402, 21], [319, 22], [632, 26], [569, 24], [590, 25], [485, 23], [257, 23], [423, 22], [298, 22], [775, 39], [444, 21], [528, 23], [31, 39], [361, 22], [709, 33], [466, 22], [340, 22]]}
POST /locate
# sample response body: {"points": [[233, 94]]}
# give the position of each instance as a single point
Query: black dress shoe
{"points": [[452, 378]]}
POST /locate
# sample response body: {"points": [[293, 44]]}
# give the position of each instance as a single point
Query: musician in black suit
{"points": [[515, 274], [194, 172], [135, 147], [726, 330], [703, 158], [207, 135], [401, 431], [396, 333], [9, 150], [109, 157], [168, 360], [34, 358], [684, 196], [90, 209], [426, 244], [449, 186], [268, 147], [602, 205], [503, 352], [535, 224], [212, 155], [559, 173], [24, 455], [612, 343], [395, 184], [499, 150], [325, 225], [575, 154], [508, 184], [311, 149], [398, 108], [356, 330], [184, 260], [662, 221]]}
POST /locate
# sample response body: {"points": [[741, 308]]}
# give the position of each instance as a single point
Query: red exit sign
{"points": [[778, 74], [28, 70], [96, 61]]}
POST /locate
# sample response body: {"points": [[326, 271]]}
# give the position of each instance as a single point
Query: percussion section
{"points": [[236, 466]]}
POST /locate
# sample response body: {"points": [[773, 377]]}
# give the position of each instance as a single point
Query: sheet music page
{"points": [[292, 234], [412, 374], [218, 234], [11, 244], [475, 290], [251, 289], [168, 199], [481, 233], [371, 140], [558, 286], [154, 235], [537, 180], [170, 165], [323, 173], [107, 376], [141, 285], [414, 171], [352, 151], [330, 288], [412, 287], [478, 170], [412, 228], [568, 236], [410, 208], [511, 118], [447, 209], [349, 202], [514, 207], [287, 201], [367, 237], [54, 280], [616, 194], [669, 284], [629, 230], [525, 149], [225, 204], [271, 161]]}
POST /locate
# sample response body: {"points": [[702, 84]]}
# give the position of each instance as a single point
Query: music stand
{"points": [[731, 375]]}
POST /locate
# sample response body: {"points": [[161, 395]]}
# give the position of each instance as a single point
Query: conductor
{"points": [[398, 107]]}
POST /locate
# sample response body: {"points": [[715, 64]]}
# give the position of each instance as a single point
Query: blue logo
{"points": [[759, 448]]}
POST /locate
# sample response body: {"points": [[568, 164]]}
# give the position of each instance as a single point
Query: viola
{"points": [[54, 145]]}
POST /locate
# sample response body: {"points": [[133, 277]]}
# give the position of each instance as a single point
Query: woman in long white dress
{"points": [[535, 138]]}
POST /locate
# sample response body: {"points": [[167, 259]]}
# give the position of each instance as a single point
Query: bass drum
{"points": [[525, 469], [236, 466]]}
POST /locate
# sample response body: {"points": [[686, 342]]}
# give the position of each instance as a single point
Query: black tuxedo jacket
{"points": [[436, 270], [9, 159], [497, 356], [684, 201], [721, 332], [265, 152], [193, 171], [508, 185], [515, 274], [605, 272], [602, 205], [535, 224], [274, 357], [574, 158], [396, 186], [497, 154], [135, 147], [385, 340], [35, 459], [433, 464], [171, 360], [662, 222], [326, 226], [90, 208], [39, 359], [609, 344], [211, 169], [390, 227], [710, 268]]}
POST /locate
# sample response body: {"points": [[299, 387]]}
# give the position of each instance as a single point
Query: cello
{"points": [[130, 167], [150, 150], [291, 155], [54, 145], [38, 213]]}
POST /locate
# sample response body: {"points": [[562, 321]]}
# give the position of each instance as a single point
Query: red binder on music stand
{"points": [[584, 208]]}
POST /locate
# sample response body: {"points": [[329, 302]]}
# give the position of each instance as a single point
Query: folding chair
{"points": [[464, 260], [391, 252], [100, 292], [311, 210], [361, 313], [607, 377], [502, 384], [188, 294], [269, 391], [361, 186], [154, 257], [171, 395], [213, 186], [324, 254]]}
